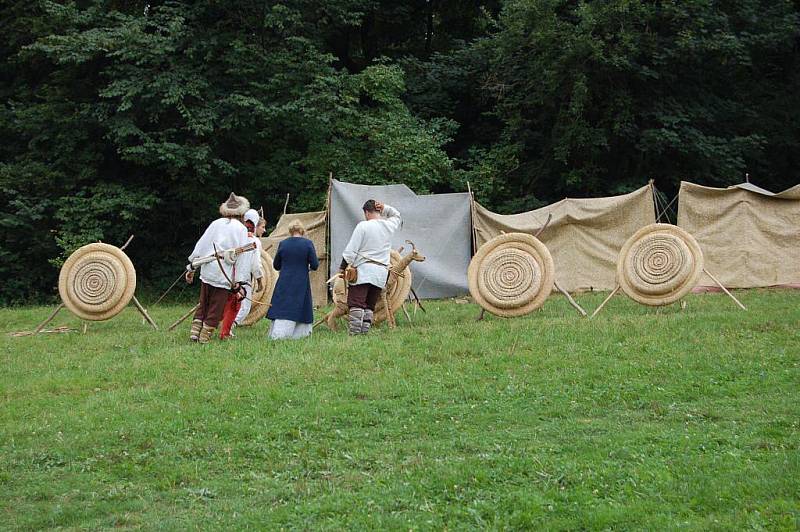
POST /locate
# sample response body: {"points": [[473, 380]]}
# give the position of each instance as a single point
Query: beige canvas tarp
{"points": [[314, 222], [584, 235], [750, 237]]}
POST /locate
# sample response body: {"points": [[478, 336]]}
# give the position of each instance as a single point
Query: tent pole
{"points": [[724, 289], [472, 220], [329, 250], [286, 203]]}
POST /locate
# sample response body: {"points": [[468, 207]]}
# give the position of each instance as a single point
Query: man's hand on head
{"points": [[378, 206]]}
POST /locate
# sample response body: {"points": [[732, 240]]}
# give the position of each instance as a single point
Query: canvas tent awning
{"points": [[438, 224], [584, 235], [750, 237], [314, 222]]}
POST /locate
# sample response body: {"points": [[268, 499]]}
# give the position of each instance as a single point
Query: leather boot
{"points": [[205, 334], [355, 319], [194, 332], [367, 323]]}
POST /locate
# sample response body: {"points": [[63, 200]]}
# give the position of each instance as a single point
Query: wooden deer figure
{"points": [[394, 294], [389, 300]]}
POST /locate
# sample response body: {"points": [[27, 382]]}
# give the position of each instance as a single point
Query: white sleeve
{"points": [[256, 266], [259, 250], [243, 263], [391, 218], [351, 250]]}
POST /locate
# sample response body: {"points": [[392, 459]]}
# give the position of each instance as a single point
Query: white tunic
{"points": [[255, 265], [369, 249], [255, 269], [225, 233]]}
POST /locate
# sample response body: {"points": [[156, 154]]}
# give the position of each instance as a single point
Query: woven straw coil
{"points": [[261, 298], [511, 274], [97, 281], [397, 293], [659, 264]]}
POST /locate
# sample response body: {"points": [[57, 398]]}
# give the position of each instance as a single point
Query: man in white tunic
{"points": [[369, 252], [225, 233]]}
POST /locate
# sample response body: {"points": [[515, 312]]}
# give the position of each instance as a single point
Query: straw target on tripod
{"points": [[97, 281], [511, 274], [659, 264], [261, 298]]}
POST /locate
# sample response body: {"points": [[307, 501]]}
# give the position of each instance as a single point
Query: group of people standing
{"points": [[228, 280]]}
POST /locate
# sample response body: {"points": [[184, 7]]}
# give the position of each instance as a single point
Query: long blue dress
{"points": [[291, 299]]}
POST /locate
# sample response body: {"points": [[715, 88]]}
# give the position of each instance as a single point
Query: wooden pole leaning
{"points": [[606, 300], [183, 318], [724, 289], [569, 298], [38, 329], [144, 313]]}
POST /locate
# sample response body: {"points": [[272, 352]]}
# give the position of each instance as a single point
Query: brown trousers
{"points": [[363, 296], [212, 304]]}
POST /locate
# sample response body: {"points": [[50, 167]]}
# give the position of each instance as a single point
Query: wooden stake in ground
{"points": [[48, 320], [605, 301], [141, 309], [569, 298], [724, 289], [183, 318]]}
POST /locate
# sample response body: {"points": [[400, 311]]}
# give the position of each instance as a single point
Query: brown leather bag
{"points": [[350, 274]]}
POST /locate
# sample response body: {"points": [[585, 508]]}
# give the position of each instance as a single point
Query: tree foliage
{"points": [[128, 117]]}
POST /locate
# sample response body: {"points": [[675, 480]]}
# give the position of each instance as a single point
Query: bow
{"points": [[219, 263]]}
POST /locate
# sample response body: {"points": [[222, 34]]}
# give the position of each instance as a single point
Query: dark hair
{"points": [[369, 206]]}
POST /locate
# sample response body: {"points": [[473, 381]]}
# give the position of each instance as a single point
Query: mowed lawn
{"points": [[638, 419]]}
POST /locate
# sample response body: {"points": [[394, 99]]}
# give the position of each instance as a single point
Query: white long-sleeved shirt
{"points": [[370, 246], [255, 265], [225, 233], [257, 273]]}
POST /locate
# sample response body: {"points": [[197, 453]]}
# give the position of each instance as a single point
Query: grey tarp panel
{"points": [[438, 224], [750, 237]]}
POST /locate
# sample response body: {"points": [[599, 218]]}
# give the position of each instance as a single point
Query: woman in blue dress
{"points": [[292, 313]]}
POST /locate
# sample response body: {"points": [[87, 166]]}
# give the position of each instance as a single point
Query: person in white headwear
{"points": [[227, 232], [253, 222]]}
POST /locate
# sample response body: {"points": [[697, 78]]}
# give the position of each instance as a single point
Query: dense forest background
{"points": [[130, 117]]}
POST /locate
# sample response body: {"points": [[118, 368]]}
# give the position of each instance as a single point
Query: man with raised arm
{"points": [[369, 253]]}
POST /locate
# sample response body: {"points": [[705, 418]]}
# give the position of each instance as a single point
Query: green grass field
{"points": [[638, 419]]}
